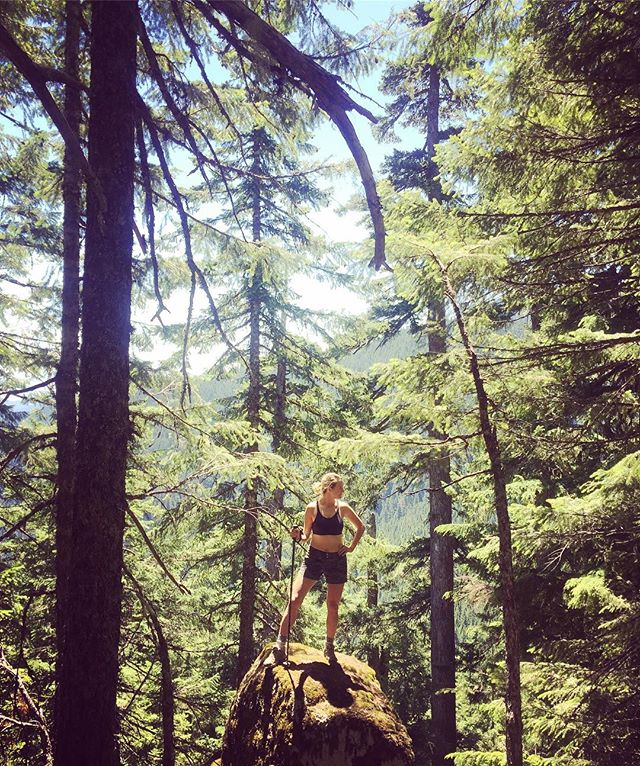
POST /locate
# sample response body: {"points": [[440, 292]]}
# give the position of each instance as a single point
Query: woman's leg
{"points": [[301, 587], [334, 594]]}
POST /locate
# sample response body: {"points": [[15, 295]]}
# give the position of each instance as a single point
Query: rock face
{"points": [[313, 713]]}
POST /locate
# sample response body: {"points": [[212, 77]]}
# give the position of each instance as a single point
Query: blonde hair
{"points": [[327, 481]]}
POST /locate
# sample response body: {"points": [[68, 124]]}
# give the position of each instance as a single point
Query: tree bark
{"points": [[167, 696], [433, 112], [376, 654], [274, 549], [66, 377], [167, 702], [442, 625], [372, 574], [250, 547], [88, 721], [505, 556]]}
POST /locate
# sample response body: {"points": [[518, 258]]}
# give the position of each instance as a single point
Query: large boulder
{"points": [[313, 713]]}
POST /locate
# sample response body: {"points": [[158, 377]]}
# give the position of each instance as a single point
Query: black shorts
{"points": [[332, 565]]}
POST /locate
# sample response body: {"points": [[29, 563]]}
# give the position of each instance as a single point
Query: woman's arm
{"points": [[349, 514], [308, 521]]}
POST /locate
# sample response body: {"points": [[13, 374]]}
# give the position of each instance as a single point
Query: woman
{"points": [[323, 525]]}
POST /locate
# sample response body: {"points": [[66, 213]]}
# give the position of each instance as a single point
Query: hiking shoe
{"points": [[279, 655], [330, 652]]}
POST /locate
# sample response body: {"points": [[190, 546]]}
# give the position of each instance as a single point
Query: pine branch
{"points": [[154, 552], [36, 713], [577, 213], [19, 524], [195, 270], [15, 391], [37, 76], [150, 216], [305, 73], [559, 349], [13, 454]]}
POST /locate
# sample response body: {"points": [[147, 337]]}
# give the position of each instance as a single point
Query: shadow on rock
{"points": [[337, 683]]}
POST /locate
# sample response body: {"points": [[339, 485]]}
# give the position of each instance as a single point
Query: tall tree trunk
{"points": [[372, 574], [167, 696], [433, 119], [167, 702], [505, 554], [88, 721], [376, 654], [274, 550], [442, 625], [250, 548], [66, 377]]}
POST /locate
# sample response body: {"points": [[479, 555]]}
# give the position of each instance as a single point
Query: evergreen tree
{"points": [[67, 372], [87, 725]]}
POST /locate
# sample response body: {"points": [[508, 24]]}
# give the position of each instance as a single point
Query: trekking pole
{"points": [[293, 561]]}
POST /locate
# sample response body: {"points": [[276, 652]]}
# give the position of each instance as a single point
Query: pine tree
{"points": [[67, 373], [86, 730]]}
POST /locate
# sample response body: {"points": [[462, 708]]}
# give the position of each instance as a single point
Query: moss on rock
{"points": [[313, 713]]}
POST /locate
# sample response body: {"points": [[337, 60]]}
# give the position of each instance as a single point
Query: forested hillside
{"points": [[160, 176]]}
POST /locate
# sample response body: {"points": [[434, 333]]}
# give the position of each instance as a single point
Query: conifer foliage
{"points": [[157, 181]]}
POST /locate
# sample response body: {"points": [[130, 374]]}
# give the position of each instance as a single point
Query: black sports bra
{"points": [[327, 525]]}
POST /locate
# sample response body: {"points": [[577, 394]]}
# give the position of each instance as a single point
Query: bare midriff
{"points": [[326, 543]]}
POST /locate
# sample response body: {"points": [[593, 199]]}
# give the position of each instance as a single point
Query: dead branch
{"points": [[196, 271], [175, 6], [183, 120]]}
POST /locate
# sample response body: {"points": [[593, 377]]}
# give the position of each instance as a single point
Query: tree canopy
{"points": [[160, 190]]}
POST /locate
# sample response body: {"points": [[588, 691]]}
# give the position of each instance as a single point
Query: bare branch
{"points": [[184, 222], [183, 120], [14, 391], [154, 552]]}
